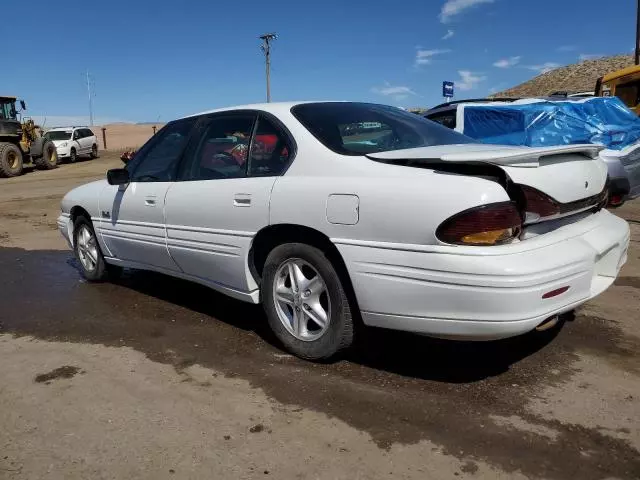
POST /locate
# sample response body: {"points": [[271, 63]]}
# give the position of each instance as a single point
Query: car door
{"points": [[132, 215], [222, 198], [86, 140], [77, 141]]}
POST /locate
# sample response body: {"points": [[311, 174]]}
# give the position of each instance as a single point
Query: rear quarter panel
{"points": [[397, 204]]}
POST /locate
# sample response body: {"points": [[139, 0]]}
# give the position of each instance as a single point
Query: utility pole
{"points": [[267, 38], [91, 98], [638, 34]]}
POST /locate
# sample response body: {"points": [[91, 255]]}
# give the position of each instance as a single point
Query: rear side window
{"points": [[361, 128], [87, 133], [270, 150]]}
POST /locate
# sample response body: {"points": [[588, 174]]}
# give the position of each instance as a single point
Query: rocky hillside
{"points": [[579, 77]]}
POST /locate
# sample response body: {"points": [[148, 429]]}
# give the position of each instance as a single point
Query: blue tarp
{"points": [[600, 120]]}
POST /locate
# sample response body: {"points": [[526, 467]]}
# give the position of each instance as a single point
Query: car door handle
{"points": [[242, 200], [150, 202]]}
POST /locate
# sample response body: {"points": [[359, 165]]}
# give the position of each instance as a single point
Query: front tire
{"points": [[305, 302], [10, 160], [49, 158], [87, 250], [73, 155]]}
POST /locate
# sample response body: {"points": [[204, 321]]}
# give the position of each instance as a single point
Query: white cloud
{"points": [[399, 92], [507, 62], [544, 68], [566, 48], [452, 8], [469, 80], [424, 57], [590, 56], [448, 35]]}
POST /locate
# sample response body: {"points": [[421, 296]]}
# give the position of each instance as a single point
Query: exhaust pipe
{"points": [[548, 323]]}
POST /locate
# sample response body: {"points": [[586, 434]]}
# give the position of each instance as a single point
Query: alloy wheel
{"points": [[87, 248], [301, 300]]}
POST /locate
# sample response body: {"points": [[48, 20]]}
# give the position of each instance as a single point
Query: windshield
{"points": [[361, 128], [58, 135]]}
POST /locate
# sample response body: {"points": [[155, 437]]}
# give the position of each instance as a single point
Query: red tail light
{"points": [[538, 203], [492, 224]]}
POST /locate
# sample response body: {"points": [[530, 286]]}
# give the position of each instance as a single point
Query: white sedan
{"points": [[328, 213]]}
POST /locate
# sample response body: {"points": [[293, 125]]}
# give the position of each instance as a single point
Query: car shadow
{"points": [[397, 352]]}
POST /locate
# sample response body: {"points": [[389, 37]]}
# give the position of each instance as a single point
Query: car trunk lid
{"points": [[565, 173]]}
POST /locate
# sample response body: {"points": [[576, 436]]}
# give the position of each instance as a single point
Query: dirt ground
{"points": [[158, 378], [124, 136]]}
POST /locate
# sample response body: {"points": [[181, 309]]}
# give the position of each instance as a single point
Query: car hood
{"points": [[57, 143]]}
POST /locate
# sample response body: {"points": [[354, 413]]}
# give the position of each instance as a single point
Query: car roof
{"points": [[454, 105], [65, 128]]}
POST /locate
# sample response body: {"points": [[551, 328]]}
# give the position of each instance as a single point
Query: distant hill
{"points": [[578, 77]]}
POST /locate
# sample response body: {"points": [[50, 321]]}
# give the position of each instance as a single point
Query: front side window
{"points": [[222, 151], [362, 128], [76, 135], [270, 150], [158, 159]]}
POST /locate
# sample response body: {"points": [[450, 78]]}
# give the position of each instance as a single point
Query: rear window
{"points": [[361, 128]]}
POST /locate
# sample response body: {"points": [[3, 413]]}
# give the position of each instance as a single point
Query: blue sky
{"points": [[160, 59]]}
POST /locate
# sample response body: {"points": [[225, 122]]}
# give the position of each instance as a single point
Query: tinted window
{"points": [[77, 135], [629, 93], [361, 128], [87, 133], [222, 151], [157, 161], [448, 119], [270, 150]]}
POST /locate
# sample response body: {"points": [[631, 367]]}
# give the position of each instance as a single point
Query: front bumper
{"points": [[475, 293], [65, 226], [63, 152]]}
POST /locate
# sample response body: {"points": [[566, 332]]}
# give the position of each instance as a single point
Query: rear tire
{"points": [[49, 158], [94, 151], [10, 160], [289, 305]]}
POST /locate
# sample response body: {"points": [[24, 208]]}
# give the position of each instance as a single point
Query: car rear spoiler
{"points": [[512, 157]]}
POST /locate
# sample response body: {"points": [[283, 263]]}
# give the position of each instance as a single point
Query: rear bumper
{"points": [[478, 293]]}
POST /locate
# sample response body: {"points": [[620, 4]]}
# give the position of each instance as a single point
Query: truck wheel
{"points": [[10, 160], [94, 151], [49, 158]]}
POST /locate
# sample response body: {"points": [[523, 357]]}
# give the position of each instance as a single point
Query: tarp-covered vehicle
{"points": [[551, 122]]}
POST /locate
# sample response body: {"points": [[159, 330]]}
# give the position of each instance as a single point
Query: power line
{"points": [[267, 38]]}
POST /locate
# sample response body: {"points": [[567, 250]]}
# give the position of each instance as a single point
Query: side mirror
{"points": [[118, 176], [23, 105]]}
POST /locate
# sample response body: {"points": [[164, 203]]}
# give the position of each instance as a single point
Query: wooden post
{"points": [[154, 129], [104, 137]]}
